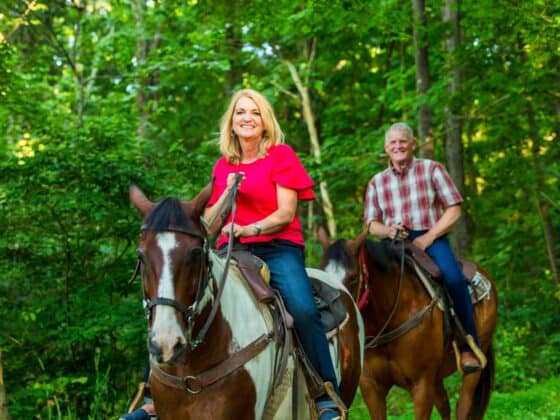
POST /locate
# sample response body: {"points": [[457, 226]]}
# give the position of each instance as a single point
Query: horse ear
{"points": [[202, 198], [356, 244], [323, 237], [140, 200]]}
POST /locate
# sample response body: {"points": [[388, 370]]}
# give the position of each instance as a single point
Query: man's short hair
{"points": [[400, 126]]}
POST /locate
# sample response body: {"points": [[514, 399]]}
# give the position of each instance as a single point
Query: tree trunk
{"points": [[309, 118], [425, 129], [542, 205], [453, 128], [143, 47], [233, 45], [4, 415]]}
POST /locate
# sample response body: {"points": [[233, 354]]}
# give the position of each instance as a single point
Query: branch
{"points": [[284, 90]]}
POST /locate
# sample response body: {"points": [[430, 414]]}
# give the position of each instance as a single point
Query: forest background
{"points": [[95, 95]]}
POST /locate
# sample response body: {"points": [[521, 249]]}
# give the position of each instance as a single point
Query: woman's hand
{"points": [[239, 231], [231, 179]]}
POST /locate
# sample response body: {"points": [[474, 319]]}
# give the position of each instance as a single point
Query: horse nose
{"points": [[166, 348], [153, 348]]}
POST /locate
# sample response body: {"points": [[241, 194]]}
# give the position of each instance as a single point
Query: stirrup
{"points": [[479, 354], [139, 394], [337, 403]]}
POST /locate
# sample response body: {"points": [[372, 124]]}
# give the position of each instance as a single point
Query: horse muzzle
{"points": [[166, 348]]}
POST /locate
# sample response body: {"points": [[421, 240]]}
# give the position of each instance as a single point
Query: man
{"points": [[416, 198]]}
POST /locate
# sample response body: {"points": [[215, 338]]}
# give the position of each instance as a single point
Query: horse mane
{"points": [[338, 251], [382, 253], [168, 212]]}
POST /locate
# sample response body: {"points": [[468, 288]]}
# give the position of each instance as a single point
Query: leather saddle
{"points": [[256, 273]]}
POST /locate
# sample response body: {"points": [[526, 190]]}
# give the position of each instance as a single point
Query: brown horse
{"points": [[215, 350], [416, 359]]}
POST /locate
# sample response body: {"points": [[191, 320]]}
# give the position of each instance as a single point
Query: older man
{"points": [[416, 198]]}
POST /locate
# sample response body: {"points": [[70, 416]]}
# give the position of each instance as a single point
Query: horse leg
{"points": [[442, 401], [424, 396], [374, 395], [468, 387]]}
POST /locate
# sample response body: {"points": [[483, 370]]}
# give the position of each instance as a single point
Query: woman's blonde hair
{"points": [[272, 133]]}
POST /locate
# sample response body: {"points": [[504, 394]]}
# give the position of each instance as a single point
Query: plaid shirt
{"points": [[415, 197]]}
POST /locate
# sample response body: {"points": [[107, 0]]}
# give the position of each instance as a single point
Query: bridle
{"points": [[204, 277], [383, 337]]}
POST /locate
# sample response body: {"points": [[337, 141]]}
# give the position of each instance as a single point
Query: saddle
{"points": [[428, 272], [430, 275], [327, 299]]}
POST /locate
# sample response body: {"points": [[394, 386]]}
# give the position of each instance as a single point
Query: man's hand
{"points": [[397, 231], [424, 241]]}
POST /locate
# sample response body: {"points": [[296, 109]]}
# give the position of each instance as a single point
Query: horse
{"points": [[215, 350], [418, 357]]}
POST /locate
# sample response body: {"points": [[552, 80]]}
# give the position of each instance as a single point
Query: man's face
{"points": [[399, 147]]}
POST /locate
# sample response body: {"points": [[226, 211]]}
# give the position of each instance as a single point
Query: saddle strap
{"points": [[195, 384], [403, 328]]}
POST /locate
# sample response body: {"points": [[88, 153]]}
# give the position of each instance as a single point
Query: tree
{"points": [[453, 127], [421, 59]]}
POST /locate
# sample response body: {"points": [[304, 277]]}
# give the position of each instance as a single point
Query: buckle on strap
{"points": [[192, 384]]}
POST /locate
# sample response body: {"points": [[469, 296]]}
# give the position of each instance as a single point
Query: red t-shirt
{"points": [[257, 198]]}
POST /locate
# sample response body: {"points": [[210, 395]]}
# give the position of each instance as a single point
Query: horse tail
{"points": [[481, 397]]}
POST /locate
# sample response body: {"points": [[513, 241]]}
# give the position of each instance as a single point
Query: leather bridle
{"points": [[190, 311]]}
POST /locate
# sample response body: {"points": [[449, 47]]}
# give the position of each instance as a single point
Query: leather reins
{"points": [[409, 324], [188, 312]]}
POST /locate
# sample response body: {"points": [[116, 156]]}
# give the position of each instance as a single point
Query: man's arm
{"points": [[379, 230], [449, 217]]}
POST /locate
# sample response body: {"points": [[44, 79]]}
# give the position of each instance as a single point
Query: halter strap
{"points": [[195, 384]]}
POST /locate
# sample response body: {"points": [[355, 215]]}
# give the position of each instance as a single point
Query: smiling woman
{"points": [[273, 180], [209, 334]]}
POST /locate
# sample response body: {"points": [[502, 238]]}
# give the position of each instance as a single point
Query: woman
{"points": [[273, 180]]}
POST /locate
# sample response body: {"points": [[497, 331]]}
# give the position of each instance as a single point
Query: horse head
{"points": [[341, 258], [174, 276]]}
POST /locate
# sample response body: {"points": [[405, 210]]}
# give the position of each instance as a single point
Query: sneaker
{"points": [[327, 410], [138, 414]]}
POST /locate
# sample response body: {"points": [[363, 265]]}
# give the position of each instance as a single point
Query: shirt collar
{"points": [[404, 169]]}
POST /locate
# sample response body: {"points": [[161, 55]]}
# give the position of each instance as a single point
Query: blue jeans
{"points": [[454, 281], [286, 262]]}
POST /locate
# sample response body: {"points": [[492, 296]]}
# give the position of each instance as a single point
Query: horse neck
{"points": [[384, 291]]}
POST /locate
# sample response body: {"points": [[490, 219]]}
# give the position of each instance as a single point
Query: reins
{"points": [[412, 322], [377, 339], [189, 311], [233, 192]]}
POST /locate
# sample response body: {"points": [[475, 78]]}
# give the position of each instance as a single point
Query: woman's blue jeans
{"points": [[443, 256], [286, 262]]}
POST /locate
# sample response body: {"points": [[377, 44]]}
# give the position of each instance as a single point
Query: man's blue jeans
{"points": [[286, 262], [442, 254]]}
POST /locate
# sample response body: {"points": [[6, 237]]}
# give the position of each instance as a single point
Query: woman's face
{"points": [[247, 121]]}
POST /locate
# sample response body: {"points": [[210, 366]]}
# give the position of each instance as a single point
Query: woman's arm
{"points": [[211, 218], [277, 220]]}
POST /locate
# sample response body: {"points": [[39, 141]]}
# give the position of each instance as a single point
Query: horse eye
{"points": [[196, 252]]}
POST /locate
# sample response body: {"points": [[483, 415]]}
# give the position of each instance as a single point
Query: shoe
{"points": [[138, 414], [469, 363], [327, 410]]}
